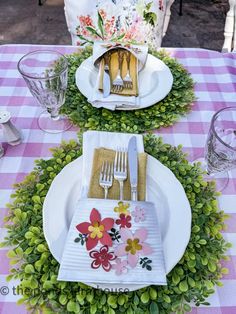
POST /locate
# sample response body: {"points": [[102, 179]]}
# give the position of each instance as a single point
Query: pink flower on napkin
{"points": [[120, 266], [102, 257], [139, 214], [133, 245], [96, 230]]}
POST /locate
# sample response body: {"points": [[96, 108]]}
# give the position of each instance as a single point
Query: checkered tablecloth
{"points": [[215, 77]]}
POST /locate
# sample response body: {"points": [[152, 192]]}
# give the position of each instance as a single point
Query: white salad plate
{"points": [[155, 81], [163, 188]]}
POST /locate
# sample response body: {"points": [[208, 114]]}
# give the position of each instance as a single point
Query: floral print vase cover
{"points": [[134, 21], [115, 242]]}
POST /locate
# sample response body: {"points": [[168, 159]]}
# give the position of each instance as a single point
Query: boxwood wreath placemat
{"points": [[177, 103], [191, 280]]}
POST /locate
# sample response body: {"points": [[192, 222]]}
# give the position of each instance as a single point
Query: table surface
{"points": [[215, 77]]}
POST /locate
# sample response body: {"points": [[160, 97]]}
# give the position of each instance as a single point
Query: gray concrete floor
{"points": [[24, 21]]}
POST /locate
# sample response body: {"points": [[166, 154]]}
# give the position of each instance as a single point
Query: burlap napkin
{"points": [[114, 66], [95, 191]]}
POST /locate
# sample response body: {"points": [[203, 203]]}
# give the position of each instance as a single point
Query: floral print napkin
{"points": [[114, 242], [134, 21]]}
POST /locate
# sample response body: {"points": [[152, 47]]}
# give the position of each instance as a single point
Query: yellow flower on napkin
{"points": [[122, 208]]}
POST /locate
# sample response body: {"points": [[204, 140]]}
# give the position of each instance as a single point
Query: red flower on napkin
{"points": [[102, 257], [124, 221], [96, 230]]}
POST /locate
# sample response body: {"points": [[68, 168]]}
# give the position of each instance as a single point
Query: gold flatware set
{"points": [[122, 80]]}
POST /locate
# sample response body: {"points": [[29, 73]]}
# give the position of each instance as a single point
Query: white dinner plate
{"points": [[155, 81], [163, 188]]}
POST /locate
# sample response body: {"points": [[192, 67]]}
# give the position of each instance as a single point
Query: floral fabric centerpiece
{"points": [[135, 21]]}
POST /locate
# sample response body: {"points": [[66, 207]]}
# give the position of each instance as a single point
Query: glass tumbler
{"points": [[220, 148], [45, 73]]}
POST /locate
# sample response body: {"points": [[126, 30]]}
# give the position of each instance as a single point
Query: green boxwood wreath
{"points": [[192, 279], [177, 103]]}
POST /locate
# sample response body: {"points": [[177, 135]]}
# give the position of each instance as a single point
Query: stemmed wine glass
{"points": [[45, 73], [220, 149]]}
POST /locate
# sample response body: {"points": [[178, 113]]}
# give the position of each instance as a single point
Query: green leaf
{"points": [[11, 254], [17, 213], [224, 271], [40, 187], [119, 38], [191, 282], [100, 24], [121, 299], [153, 294], [112, 300], [34, 301], [33, 283], [93, 31], [183, 286], [202, 241], [111, 311], [47, 285], [154, 308], [29, 269], [9, 278], [211, 266], [41, 248], [63, 299], [148, 6], [73, 307], [2, 244], [36, 199], [175, 278], [93, 308], [103, 299], [166, 298], [187, 307], [68, 158], [89, 297], [145, 297]]}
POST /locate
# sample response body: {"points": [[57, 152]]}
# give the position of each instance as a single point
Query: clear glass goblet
{"points": [[220, 149], [45, 73]]}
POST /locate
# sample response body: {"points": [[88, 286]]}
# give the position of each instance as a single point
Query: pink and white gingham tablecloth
{"points": [[215, 77]]}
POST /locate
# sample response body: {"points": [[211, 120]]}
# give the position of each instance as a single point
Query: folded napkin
{"points": [[114, 242], [96, 139], [113, 101], [96, 191], [139, 51], [114, 66]]}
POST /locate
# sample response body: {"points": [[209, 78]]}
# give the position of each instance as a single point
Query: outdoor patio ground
{"points": [[24, 21]]}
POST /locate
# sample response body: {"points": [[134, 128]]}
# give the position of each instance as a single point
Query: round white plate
{"points": [[155, 81], [173, 210]]}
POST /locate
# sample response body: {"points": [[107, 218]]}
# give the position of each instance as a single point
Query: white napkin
{"points": [[114, 101], [139, 51], [110, 140], [77, 263]]}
